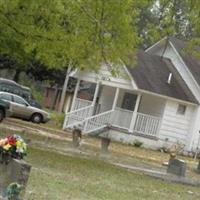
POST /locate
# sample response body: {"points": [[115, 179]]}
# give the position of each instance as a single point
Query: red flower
{"points": [[11, 140]]}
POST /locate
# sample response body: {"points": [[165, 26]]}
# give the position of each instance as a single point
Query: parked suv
{"points": [[20, 108], [11, 86]]}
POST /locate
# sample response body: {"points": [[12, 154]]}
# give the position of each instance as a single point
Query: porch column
{"points": [[135, 113], [115, 99], [96, 93], [75, 94]]}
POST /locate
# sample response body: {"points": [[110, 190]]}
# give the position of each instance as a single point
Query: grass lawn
{"points": [[60, 177]]}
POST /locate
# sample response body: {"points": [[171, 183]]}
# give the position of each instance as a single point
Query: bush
{"points": [[57, 118], [163, 149], [137, 143]]}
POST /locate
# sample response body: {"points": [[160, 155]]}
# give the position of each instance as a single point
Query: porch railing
{"points": [[97, 122], [81, 103], [147, 124], [144, 124], [122, 118], [77, 116]]}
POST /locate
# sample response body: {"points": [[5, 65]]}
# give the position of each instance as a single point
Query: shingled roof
{"points": [[191, 61], [151, 73]]}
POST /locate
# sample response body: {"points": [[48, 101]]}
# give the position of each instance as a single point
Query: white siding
{"points": [[185, 73], [106, 98], [152, 105], [195, 125], [176, 127]]}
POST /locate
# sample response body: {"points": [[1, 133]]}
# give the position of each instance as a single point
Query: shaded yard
{"points": [[60, 177], [60, 173]]}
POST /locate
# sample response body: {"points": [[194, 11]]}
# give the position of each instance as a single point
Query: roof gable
{"points": [[151, 73], [190, 60]]}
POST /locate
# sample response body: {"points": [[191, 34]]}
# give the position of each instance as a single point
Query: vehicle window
{"points": [[16, 91], [6, 97], [19, 100], [25, 96]]}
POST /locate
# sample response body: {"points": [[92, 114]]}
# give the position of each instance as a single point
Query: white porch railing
{"points": [[81, 103], [147, 124], [77, 116], [122, 118], [97, 122], [144, 124]]}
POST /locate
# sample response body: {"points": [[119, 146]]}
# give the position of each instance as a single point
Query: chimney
{"points": [[169, 78]]}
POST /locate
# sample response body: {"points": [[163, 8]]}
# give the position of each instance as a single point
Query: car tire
{"points": [[36, 118], [2, 114]]}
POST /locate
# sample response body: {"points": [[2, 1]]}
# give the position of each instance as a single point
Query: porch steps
{"points": [[99, 131]]}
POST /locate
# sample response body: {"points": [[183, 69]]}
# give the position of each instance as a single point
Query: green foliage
{"points": [[35, 91], [87, 33], [13, 191], [160, 18], [137, 143], [57, 119]]}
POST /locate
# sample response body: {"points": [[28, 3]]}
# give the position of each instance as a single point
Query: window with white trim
{"points": [[181, 109]]}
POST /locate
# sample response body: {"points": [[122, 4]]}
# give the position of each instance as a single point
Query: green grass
{"points": [[59, 177]]}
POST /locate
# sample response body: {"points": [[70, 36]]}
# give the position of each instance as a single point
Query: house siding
{"points": [[152, 105], [106, 78], [173, 55], [176, 127], [106, 98]]}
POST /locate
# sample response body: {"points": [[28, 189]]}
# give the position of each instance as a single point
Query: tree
{"points": [[160, 18], [84, 33]]}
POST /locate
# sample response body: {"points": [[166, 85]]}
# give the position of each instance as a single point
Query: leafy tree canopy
{"points": [[54, 32]]}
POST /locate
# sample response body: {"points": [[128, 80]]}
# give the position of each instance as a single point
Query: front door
{"points": [[129, 101]]}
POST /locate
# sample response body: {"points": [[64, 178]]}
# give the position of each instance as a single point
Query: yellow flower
{"points": [[7, 147], [19, 144]]}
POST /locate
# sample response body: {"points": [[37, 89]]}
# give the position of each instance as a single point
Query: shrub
{"points": [[137, 143], [57, 118]]}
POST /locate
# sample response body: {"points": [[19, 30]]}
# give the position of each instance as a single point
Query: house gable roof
{"points": [[151, 73], [191, 61]]}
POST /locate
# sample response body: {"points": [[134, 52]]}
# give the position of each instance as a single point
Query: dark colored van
{"points": [[10, 86]]}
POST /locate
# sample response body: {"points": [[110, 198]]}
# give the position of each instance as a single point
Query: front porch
{"points": [[124, 109]]}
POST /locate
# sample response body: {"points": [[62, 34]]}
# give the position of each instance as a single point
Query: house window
{"points": [[181, 109], [129, 101]]}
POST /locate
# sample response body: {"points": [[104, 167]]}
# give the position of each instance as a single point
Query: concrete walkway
{"points": [[161, 175]]}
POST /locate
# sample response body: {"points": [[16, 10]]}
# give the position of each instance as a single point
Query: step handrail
{"points": [[79, 109], [74, 113], [96, 116]]}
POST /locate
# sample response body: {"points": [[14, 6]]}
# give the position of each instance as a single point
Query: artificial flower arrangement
{"points": [[12, 147]]}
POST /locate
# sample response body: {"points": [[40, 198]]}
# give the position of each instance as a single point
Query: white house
{"points": [[156, 101]]}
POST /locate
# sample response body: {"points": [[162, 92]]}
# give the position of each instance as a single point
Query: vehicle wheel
{"points": [[36, 118], [2, 115]]}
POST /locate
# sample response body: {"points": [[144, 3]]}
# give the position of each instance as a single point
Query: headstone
{"points": [[77, 135], [105, 142], [177, 167], [15, 171]]}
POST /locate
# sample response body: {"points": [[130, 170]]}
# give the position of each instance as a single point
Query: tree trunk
{"points": [[55, 98], [63, 94], [17, 75]]}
